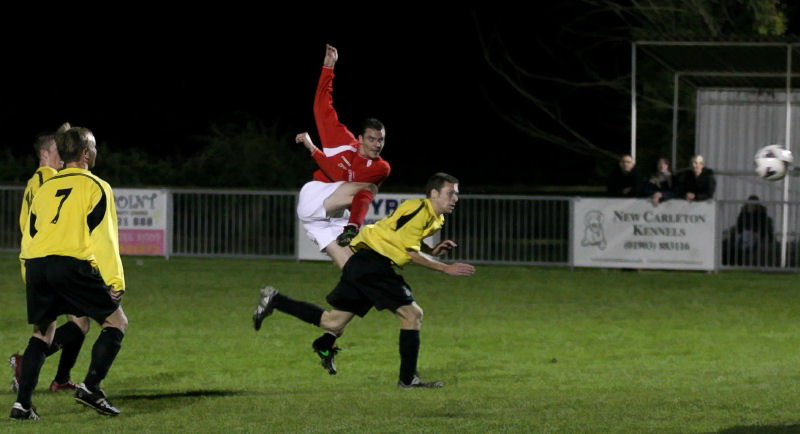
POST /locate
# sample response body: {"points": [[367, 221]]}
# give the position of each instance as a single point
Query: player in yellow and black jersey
{"points": [[71, 255], [70, 335], [369, 280]]}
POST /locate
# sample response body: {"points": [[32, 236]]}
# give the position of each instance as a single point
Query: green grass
{"points": [[521, 349]]}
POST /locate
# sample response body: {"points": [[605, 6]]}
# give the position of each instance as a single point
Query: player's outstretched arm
{"points": [[459, 269], [332, 133], [331, 56], [442, 248], [455, 269], [305, 139]]}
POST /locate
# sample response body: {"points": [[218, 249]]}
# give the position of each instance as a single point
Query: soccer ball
{"points": [[772, 162]]}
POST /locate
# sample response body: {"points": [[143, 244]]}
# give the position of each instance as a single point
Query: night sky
{"points": [[152, 80]]}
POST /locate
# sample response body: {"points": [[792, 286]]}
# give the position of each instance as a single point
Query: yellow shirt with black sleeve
{"points": [[73, 214], [41, 175], [412, 221]]}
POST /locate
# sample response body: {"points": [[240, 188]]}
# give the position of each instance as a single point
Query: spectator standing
{"points": [[625, 180], [755, 232], [698, 183], [661, 186]]}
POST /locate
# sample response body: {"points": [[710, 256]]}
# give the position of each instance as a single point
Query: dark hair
{"points": [[72, 142], [44, 140], [437, 181], [371, 123]]}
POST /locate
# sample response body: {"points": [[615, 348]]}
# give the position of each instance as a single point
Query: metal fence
{"points": [[529, 230], [10, 203], [510, 229], [233, 223], [488, 229], [750, 235]]}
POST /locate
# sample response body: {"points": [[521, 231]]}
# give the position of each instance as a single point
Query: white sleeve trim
{"points": [[330, 152]]}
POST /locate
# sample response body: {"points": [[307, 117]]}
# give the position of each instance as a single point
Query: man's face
{"points": [[91, 151], [626, 163], [663, 166], [371, 142], [697, 166], [444, 200], [51, 157]]}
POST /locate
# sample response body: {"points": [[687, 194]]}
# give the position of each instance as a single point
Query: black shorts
{"points": [[62, 284], [368, 280]]}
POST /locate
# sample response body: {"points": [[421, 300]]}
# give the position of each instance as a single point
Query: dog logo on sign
{"points": [[593, 232]]}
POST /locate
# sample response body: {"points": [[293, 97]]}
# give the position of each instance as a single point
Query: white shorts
{"points": [[321, 228]]}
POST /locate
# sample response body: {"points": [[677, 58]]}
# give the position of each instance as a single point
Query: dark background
{"points": [[155, 81]]}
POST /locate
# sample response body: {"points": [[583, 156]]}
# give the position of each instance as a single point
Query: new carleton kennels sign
{"points": [[632, 233]]}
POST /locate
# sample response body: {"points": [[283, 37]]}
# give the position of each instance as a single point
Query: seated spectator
{"points": [[662, 185], [625, 180], [698, 183]]}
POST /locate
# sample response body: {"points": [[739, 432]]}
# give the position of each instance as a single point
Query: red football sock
{"points": [[359, 207]]}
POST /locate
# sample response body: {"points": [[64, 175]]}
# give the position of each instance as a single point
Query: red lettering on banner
{"points": [[142, 242]]}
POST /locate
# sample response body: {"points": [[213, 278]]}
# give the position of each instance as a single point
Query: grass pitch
{"points": [[521, 349]]}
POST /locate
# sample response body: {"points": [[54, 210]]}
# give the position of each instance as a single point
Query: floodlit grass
{"points": [[521, 349]]}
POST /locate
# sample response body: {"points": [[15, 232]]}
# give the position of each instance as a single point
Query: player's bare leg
{"points": [[410, 316], [357, 196], [334, 322], [343, 196], [338, 254]]}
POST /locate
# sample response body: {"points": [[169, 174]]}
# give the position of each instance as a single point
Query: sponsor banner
{"points": [[142, 242], [632, 233], [142, 221], [382, 205]]}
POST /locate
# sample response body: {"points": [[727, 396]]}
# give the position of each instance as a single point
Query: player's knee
{"points": [[417, 313], [45, 330], [123, 323], [117, 320], [411, 316], [330, 322], [44, 338], [372, 188], [336, 327], [82, 322], [335, 321]]}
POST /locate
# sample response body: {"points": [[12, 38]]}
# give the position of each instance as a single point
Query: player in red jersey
{"points": [[332, 207]]}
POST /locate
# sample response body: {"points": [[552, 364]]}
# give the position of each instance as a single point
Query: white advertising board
{"points": [[632, 233], [142, 221], [382, 205]]}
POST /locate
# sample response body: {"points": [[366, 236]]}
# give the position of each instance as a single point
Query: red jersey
{"points": [[339, 159]]}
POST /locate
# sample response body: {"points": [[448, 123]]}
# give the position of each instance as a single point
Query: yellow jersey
{"points": [[41, 175], [73, 214], [391, 236]]}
